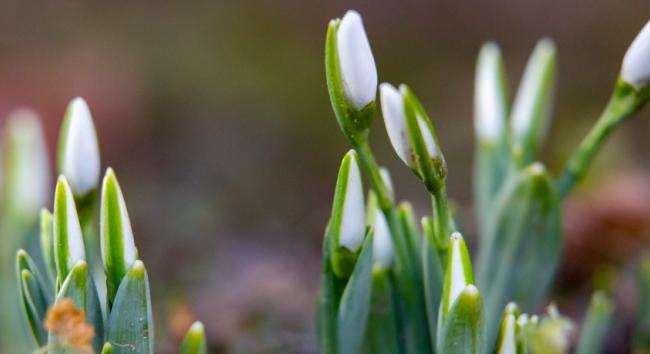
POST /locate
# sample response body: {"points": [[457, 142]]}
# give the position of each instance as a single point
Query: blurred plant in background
{"points": [[72, 299], [389, 286]]}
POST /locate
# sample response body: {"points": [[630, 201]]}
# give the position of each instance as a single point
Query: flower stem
{"points": [[624, 102], [371, 168]]}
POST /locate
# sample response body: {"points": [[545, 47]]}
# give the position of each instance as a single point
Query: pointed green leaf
{"points": [[383, 331], [117, 244], [68, 240], [355, 303], [433, 274], [463, 331], [130, 323], [519, 255], [596, 324], [47, 242], [80, 288], [194, 341], [508, 341], [532, 107], [107, 349], [35, 295]]}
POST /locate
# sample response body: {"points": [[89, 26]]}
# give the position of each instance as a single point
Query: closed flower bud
{"points": [[78, 156], [490, 96], [382, 243], [68, 239], [636, 63]]}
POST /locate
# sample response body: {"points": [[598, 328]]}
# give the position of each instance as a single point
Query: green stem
{"points": [[625, 101], [442, 217], [371, 168]]}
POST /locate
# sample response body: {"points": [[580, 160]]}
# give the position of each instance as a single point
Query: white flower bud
{"points": [[382, 243], [358, 70], [353, 225], [636, 63], [490, 96], [79, 150]]}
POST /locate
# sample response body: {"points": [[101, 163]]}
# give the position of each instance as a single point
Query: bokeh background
{"points": [[216, 118]]}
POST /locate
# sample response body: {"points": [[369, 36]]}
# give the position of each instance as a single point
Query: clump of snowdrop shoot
{"points": [[25, 170], [351, 74], [78, 155], [412, 135], [347, 223], [636, 63]]}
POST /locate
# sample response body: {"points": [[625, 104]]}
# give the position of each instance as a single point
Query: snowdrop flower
{"points": [[490, 97], [459, 272], [636, 63], [382, 243], [357, 65], [395, 105], [352, 213], [68, 239], [26, 169], [79, 149], [507, 343]]}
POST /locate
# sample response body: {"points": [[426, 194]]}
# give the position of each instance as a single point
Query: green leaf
{"points": [[355, 303], [532, 107], [47, 243], [130, 323], [433, 275], [382, 333], [80, 288], [68, 240], [510, 339], [117, 244], [194, 341], [328, 301], [35, 295], [596, 325], [463, 331], [107, 349], [519, 255]]}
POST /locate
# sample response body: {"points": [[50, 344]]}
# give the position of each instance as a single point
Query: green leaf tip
{"points": [[194, 341], [107, 349], [68, 239], [117, 244]]}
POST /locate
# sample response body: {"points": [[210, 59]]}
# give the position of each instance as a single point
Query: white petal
{"points": [[353, 223], [508, 343], [489, 102], [81, 150], [636, 63], [427, 136], [358, 70], [382, 245], [76, 250], [130, 252], [458, 280], [30, 173], [392, 107]]}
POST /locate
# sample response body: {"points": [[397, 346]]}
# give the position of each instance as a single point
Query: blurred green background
{"points": [[216, 118]]}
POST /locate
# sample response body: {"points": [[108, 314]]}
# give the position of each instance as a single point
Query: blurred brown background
{"points": [[216, 118]]}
